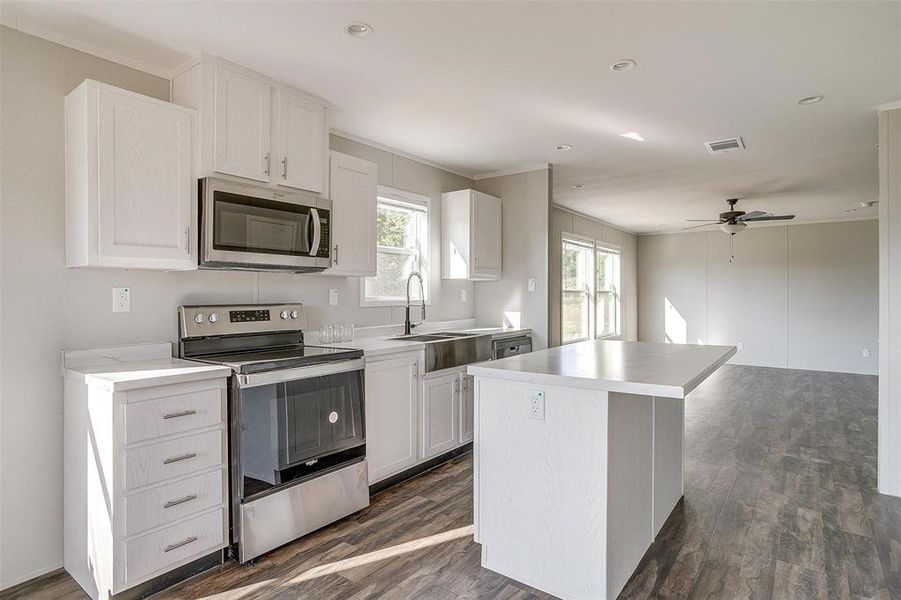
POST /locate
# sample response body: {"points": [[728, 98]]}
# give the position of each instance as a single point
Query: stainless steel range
{"points": [[296, 429]]}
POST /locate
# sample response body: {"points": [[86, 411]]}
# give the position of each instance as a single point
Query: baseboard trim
{"points": [[384, 484], [36, 574]]}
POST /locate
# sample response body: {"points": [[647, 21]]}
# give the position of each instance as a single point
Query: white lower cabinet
{"points": [[440, 401], [411, 418], [392, 408], [145, 479]]}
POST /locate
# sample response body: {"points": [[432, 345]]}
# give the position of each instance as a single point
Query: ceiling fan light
{"points": [[733, 228]]}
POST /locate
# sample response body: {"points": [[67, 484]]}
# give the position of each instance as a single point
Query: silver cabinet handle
{"points": [[266, 158], [184, 413], [172, 503], [285, 168], [178, 545], [176, 459], [476, 260], [336, 254], [188, 240]]}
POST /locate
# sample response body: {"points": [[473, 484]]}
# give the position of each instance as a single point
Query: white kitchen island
{"points": [[578, 456]]}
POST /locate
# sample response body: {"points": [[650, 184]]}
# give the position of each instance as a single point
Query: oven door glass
{"points": [[291, 428], [260, 226]]}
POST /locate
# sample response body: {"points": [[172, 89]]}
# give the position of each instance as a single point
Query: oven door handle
{"points": [[314, 220], [281, 375]]}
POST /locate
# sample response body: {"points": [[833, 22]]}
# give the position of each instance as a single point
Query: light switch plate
{"points": [[740, 346], [865, 353], [333, 297], [462, 295], [536, 405], [531, 284], [121, 299]]}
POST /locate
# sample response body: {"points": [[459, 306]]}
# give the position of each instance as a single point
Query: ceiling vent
{"points": [[723, 146]]}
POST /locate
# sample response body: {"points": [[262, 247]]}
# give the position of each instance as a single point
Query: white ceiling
{"points": [[492, 86]]}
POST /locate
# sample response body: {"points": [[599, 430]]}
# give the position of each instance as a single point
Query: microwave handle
{"points": [[314, 220]]}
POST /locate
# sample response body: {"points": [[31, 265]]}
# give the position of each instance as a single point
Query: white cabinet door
{"points": [[392, 400], [354, 192], [146, 189], [466, 408], [485, 232], [439, 414], [303, 143], [243, 123]]}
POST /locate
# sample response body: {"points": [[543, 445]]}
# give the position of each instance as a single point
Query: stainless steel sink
{"points": [[448, 349]]}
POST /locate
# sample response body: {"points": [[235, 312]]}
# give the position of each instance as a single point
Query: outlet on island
{"points": [[536, 406]]}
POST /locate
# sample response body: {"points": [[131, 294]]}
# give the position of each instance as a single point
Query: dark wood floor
{"points": [[780, 502]]}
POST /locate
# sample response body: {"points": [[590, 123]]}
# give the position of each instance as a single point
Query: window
{"points": [[591, 303], [402, 238]]}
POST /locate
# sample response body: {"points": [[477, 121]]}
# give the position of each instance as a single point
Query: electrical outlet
{"points": [[740, 346], [531, 284], [122, 299], [462, 295], [865, 353], [536, 406], [333, 297]]}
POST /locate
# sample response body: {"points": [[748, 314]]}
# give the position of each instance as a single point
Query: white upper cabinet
{"points": [[243, 124], [354, 194], [254, 127], [471, 236], [303, 143], [131, 190]]}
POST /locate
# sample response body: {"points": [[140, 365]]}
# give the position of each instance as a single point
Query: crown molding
{"points": [[593, 219], [51, 35], [395, 151], [517, 171]]}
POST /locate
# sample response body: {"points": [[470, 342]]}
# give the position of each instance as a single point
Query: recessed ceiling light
{"points": [[578, 186], [621, 66], [869, 204], [563, 148], [811, 99], [632, 135], [357, 29]]}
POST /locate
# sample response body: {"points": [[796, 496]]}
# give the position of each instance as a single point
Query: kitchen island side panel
{"points": [[541, 495]]}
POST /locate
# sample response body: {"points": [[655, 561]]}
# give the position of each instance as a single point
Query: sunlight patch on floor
{"points": [[381, 554]]}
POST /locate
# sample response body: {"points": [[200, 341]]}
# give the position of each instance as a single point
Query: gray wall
{"points": [[525, 212], [564, 221], [47, 308], [797, 296]]}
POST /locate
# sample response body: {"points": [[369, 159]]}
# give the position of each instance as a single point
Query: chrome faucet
{"points": [[407, 325]]}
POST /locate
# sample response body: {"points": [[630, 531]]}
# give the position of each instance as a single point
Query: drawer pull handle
{"points": [[178, 545], [176, 459], [184, 413], [172, 503]]}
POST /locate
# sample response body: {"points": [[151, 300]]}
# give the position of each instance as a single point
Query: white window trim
{"points": [[592, 315], [409, 198]]}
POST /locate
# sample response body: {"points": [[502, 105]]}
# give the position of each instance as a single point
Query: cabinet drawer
{"points": [[157, 462], [173, 414], [172, 501], [166, 548]]}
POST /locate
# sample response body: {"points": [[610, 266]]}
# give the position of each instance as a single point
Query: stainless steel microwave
{"points": [[251, 227]]}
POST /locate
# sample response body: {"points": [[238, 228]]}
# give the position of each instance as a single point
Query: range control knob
{"points": [[214, 317], [198, 318], [293, 314], [284, 314]]}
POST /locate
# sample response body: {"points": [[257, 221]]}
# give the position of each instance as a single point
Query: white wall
{"points": [[47, 308], [565, 221], [890, 299], [525, 212], [796, 296]]}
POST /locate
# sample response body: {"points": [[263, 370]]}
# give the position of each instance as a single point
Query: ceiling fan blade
{"points": [[769, 218], [701, 225], [752, 215]]}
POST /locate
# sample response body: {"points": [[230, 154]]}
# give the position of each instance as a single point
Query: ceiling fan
{"points": [[734, 221]]}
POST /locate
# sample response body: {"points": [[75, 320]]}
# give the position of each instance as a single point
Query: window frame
{"points": [[408, 198], [593, 293]]}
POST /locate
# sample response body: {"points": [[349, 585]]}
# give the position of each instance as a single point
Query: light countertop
{"points": [[669, 370], [123, 368]]}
